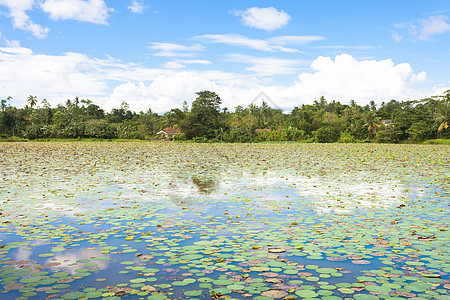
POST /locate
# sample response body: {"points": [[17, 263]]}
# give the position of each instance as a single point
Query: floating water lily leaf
{"points": [[73, 295], [306, 294], [14, 286], [274, 294], [194, 293]]}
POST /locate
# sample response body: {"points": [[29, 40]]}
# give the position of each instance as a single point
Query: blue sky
{"points": [[157, 54]]}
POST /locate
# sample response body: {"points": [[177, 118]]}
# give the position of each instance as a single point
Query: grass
{"points": [[13, 139], [85, 140], [19, 139], [438, 142]]}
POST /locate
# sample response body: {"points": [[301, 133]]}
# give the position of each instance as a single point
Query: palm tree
{"points": [[372, 122], [3, 104], [443, 112], [32, 101]]}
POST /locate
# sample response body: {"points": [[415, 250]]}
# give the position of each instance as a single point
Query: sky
{"points": [[158, 53]]}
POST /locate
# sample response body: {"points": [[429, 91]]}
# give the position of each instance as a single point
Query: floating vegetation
{"points": [[212, 221]]}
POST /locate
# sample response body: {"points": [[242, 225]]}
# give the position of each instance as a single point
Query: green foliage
{"points": [[438, 142], [388, 135], [419, 131], [347, 138], [180, 137], [200, 139], [203, 119], [323, 121], [33, 132], [326, 135]]}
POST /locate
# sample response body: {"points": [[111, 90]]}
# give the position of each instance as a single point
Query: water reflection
{"points": [[68, 261], [205, 184]]}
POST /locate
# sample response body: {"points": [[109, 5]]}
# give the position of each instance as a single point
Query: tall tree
{"points": [[443, 112], [372, 122], [32, 101], [204, 117]]}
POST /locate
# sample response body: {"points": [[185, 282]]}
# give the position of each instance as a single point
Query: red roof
{"points": [[171, 130]]}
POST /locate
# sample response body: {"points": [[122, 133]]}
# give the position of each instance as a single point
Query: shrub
{"points": [[347, 138], [326, 135], [180, 137], [200, 139], [33, 132]]}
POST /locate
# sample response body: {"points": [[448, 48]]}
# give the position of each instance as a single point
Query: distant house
{"points": [[387, 122], [168, 133]]}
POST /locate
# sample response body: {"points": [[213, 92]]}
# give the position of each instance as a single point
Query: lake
{"points": [[164, 220]]}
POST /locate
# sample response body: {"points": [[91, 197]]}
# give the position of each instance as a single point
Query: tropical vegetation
{"points": [[205, 120]]}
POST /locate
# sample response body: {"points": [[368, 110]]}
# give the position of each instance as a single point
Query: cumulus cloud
{"points": [[267, 18], [163, 93], [136, 6], [17, 12], [346, 78], [23, 72], [91, 11], [108, 82], [422, 29]]}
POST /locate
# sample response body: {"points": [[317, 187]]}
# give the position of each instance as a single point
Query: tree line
{"points": [[205, 120]]}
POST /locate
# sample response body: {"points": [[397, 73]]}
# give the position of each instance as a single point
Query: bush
{"points": [[33, 132], [388, 135], [438, 142], [326, 135], [74, 130], [180, 137], [200, 139], [347, 138]]}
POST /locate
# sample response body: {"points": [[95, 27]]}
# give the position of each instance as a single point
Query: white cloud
{"points": [[163, 93], [17, 12], [136, 6], [23, 73], [432, 26], [243, 41], [181, 64], [13, 43], [196, 61], [405, 28], [296, 39], [423, 29], [346, 78], [267, 18], [268, 66], [92, 11], [171, 50], [341, 47], [174, 65], [108, 82], [397, 37]]}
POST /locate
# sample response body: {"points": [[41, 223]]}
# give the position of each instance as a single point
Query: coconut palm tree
{"points": [[372, 122], [32, 101], [443, 112]]}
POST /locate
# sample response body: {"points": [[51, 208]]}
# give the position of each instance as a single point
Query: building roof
{"points": [[171, 130]]}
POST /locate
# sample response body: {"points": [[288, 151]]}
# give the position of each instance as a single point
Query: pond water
{"points": [[236, 221]]}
